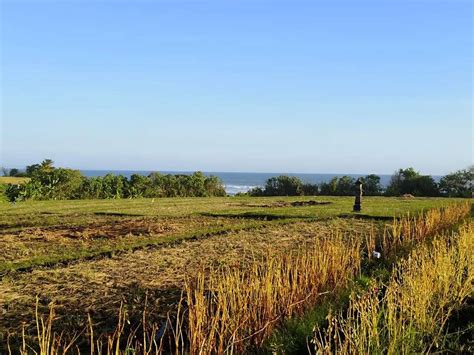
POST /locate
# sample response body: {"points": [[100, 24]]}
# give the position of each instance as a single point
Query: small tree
{"points": [[284, 186], [214, 186], [32, 169], [138, 186], [345, 186], [256, 191], [458, 184], [329, 188], [14, 172], [409, 181], [372, 185], [310, 189]]}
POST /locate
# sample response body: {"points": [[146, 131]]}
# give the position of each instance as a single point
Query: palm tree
{"points": [[47, 165]]}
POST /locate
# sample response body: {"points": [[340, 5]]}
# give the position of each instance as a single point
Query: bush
{"points": [[310, 189], [371, 185], [458, 184], [284, 186], [256, 191], [343, 186], [409, 181], [337, 186], [16, 173]]}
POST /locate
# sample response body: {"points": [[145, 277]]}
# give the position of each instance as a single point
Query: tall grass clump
{"points": [[234, 310], [144, 338], [411, 315], [409, 230]]}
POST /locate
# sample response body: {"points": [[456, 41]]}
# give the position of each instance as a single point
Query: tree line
{"points": [[47, 182], [403, 182]]}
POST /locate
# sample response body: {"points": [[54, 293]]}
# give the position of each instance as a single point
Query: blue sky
{"points": [[266, 86]]}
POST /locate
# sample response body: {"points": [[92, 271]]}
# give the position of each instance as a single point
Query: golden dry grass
{"points": [[234, 309], [422, 293], [13, 180], [244, 306], [415, 229]]}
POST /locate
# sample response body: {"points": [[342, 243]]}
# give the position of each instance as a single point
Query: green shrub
{"points": [[47, 182], [284, 186], [409, 181], [458, 184]]}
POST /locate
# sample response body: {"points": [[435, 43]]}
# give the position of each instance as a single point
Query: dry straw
{"points": [[232, 310], [423, 291], [415, 229]]}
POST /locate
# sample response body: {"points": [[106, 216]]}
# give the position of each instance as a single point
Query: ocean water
{"points": [[239, 182]]}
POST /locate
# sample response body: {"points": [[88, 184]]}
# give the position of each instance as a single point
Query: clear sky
{"points": [[266, 86]]}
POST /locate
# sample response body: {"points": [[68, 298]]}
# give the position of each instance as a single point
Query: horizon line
{"points": [[230, 172]]}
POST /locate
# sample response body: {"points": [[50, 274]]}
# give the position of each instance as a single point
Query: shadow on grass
{"points": [[119, 214], [272, 217], [365, 216], [460, 329], [71, 315], [281, 204], [257, 216]]}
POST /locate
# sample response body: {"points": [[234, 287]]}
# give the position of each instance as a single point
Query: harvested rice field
{"points": [[100, 267]]}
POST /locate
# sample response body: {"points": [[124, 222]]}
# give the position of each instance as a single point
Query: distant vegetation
{"points": [[45, 182], [403, 182]]}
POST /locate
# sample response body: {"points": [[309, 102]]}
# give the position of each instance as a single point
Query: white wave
{"points": [[234, 189]]}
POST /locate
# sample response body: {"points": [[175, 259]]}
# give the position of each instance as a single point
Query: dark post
{"points": [[358, 196]]}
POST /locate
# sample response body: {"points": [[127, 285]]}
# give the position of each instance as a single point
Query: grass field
{"points": [[37, 233], [13, 180], [90, 257]]}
